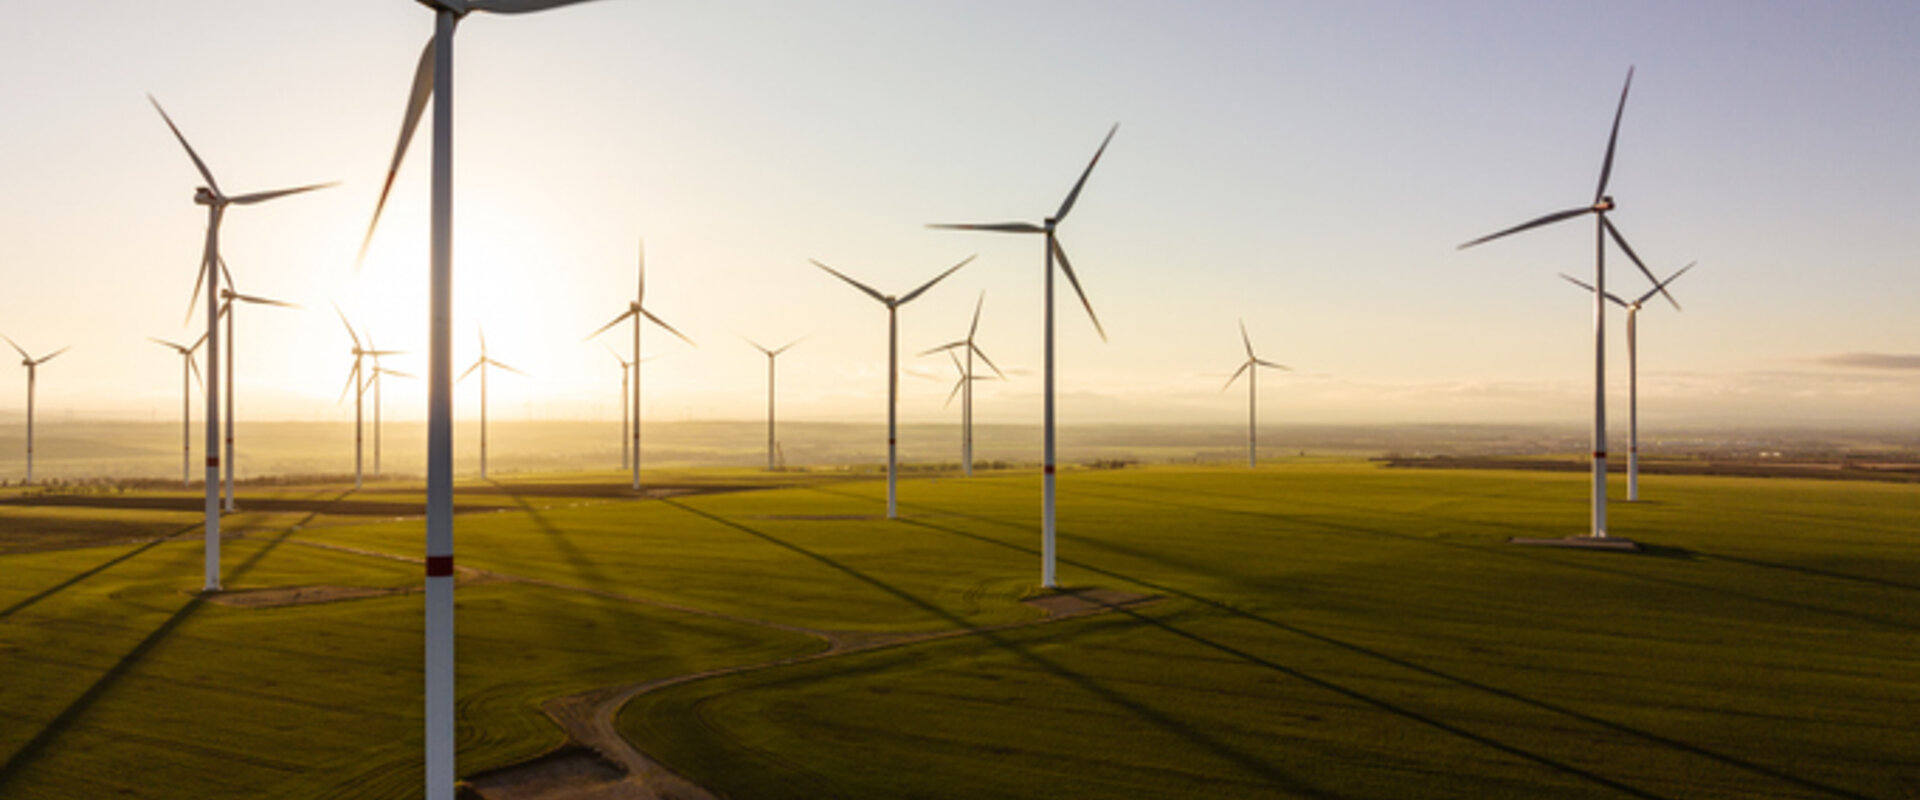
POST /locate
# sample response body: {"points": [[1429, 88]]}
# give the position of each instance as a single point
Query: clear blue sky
{"points": [[1309, 167]]}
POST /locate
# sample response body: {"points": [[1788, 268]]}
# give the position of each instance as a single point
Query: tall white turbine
{"points": [[1633, 371], [189, 371], [1053, 251], [434, 78], [1603, 229], [1251, 367], [637, 311], [893, 305], [482, 364], [357, 384], [771, 355], [33, 371], [216, 202], [228, 296], [965, 384]]}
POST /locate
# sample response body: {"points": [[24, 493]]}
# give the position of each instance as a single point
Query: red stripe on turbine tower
{"points": [[439, 566]]}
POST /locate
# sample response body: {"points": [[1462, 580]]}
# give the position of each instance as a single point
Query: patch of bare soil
{"points": [[572, 772], [1074, 602]]}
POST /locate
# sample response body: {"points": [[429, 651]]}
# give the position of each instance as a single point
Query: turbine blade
{"points": [[616, 320], [1244, 365], [505, 367], [856, 284], [983, 357], [194, 367], [225, 274], [1606, 165], [936, 279], [49, 357], [416, 106], [261, 197], [16, 347], [199, 277], [756, 345], [343, 321], [182, 349], [999, 227], [1624, 247], [1265, 363], [956, 390], [396, 373], [197, 342], [1067, 267], [1546, 220], [663, 324], [1067, 205], [948, 346], [1662, 286], [517, 6], [1589, 287], [783, 348], [256, 300], [476, 365], [640, 294], [351, 375], [197, 163], [975, 327], [1244, 340]]}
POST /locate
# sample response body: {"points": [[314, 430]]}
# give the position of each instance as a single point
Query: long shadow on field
{"points": [[1307, 524], [1457, 680], [585, 566], [85, 574], [1192, 734], [72, 713]]}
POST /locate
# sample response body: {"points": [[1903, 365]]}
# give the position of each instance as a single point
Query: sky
{"points": [[1308, 168]]}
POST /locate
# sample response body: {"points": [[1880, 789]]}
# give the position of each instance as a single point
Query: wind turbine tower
{"points": [[1251, 367], [636, 311], [189, 371], [893, 305], [965, 384], [33, 371], [1633, 371]]}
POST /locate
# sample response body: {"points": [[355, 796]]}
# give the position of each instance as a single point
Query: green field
{"points": [[1322, 629]]}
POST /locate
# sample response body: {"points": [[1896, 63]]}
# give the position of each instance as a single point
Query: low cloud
{"points": [[1871, 360]]}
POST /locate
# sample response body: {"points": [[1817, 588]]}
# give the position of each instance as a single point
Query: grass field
{"points": [[1325, 629]]}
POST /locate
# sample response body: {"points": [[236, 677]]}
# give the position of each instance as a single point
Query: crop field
{"points": [[1315, 628]]}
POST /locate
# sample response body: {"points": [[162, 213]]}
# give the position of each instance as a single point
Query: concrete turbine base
{"points": [[1582, 543]]}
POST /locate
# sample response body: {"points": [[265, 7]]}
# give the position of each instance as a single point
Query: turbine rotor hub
{"points": [[206, 197], [1605, 203]]}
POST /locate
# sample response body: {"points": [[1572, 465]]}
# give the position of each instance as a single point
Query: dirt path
{"points": [[597, 763]]}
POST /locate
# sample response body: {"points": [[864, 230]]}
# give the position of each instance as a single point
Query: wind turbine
{"points": [[637, 311], [1633, 371], [1251, 367], [1603, 229], [965, 384], [626, 374], [33, 368], [771, 355], [893, 305], [1053, 251], [228, 296], [216, 202], [379, 378], [482, 364], [357, 383], [188, 369], [434, 77]]}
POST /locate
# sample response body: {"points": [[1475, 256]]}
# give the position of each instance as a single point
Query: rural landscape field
{"points": [[1318, 627]]}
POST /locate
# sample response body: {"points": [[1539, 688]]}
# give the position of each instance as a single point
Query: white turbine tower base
{"points": [[1633, 370]]}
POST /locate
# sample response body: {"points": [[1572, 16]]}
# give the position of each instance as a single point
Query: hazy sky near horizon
{"points": [[1309, 167]]}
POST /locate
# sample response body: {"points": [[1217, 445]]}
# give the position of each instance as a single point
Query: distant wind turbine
{"points": [[1053, 251], [1603, 229], [965, 385], [380, 374], [893, 305], [1633, 370], [189, 371], [227, 298], [626, 374], [434, 78], [482, 364], [771, 355], [636, 311], [216, 202], [33, 370], [1251, 367], [357, 383]]}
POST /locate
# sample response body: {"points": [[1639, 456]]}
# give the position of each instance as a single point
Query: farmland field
{"points": [[1317, 628]]}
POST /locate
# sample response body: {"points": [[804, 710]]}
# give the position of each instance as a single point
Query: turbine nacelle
{"points": [[1604, 204], [204, 196]]}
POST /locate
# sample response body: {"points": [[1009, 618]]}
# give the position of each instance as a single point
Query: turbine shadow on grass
{"points": [[1469, 683], [72, 713], [1307, 524], [583, 565], [81, 576], [1140, 710]]}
